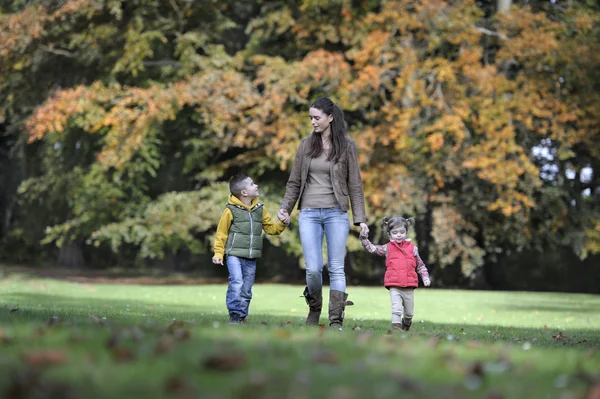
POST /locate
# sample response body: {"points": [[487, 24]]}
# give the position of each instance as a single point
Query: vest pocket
{"points": [[232, 241]]}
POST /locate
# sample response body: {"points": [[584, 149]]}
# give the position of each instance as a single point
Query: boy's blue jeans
{"points": [[241, 280], [334, 224]]}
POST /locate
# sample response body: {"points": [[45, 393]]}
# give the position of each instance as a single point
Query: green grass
{"points": [[70, 340]]}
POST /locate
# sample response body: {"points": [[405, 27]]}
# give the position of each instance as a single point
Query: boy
{"points": [[239, 237]]}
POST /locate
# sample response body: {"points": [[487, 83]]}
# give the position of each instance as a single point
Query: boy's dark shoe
{"points": [[236, 320], [406, 323]]}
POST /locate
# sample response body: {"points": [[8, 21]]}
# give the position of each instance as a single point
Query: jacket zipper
{"points": [[251, 232]]}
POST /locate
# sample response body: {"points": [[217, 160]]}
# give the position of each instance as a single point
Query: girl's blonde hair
{"points": [[389, 224]]}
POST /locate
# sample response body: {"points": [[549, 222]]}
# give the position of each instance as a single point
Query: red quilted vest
{"points": [[401, 265]]}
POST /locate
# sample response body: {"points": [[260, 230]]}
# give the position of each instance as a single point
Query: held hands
{"points": [[284, 216], [364, 231], [217, 261]]}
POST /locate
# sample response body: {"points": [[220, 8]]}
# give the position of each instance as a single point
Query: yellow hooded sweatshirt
{"points": [[269, 226]]}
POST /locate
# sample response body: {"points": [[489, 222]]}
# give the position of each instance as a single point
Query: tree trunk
{"points": [[423, 227], [503, 5], [70, 255]]}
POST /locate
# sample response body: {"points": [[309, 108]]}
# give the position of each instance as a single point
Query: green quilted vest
{"points": [[245, 233]]}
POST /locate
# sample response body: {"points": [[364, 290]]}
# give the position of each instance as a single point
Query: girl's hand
{"points": [[364, 230], [427, 282]]}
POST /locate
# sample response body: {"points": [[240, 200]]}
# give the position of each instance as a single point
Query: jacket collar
{"points": [[402, 244], [235, 201]]}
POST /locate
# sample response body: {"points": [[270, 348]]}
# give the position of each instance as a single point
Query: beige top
{"points": [[318, 192]]}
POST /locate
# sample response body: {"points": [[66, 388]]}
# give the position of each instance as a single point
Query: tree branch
{"points": [[57, 51], [491, 33], [162, 63]]}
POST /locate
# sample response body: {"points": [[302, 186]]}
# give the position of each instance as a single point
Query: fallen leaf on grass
{"points": [[494, 395], [476, 368], [364, 337], [560, 337], [406, 384], [433, 341], [113, 341], [97, 320], [225, 362], [122, 355], [12, 310], [177, 386], [324, 356], [4, 338], [164, 345], [45, 358], [282, 334], [75, 339], [322, 329], [594, 391], [590, 353], [175, 325], [474, 345], [258, 380], [475, 375], [39, 331], [182, 334], [342, 392], [28, 383]]}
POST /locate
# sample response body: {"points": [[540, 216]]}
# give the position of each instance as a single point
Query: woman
{"points": [[325, 174]]}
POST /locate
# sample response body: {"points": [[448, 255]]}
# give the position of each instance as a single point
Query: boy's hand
{"points": [[427, 282], [217, 261]]}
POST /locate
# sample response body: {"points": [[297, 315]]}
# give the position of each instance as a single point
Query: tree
{"points": [[137, 112]]}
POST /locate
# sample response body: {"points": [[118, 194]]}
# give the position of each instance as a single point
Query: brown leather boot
{"points": [[314, 300], [338, 301]]}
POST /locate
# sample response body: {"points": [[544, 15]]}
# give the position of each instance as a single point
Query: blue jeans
{"points": [[241, 280], [335, 225]]}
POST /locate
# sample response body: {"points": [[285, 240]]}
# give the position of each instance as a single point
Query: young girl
{"points": [[402, 264]]}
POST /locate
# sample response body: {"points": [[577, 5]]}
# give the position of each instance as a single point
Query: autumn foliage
{"points": [[485, 127]]}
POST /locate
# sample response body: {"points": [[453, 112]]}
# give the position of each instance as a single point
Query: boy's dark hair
{"points": [[389, 224], [236, 184]]}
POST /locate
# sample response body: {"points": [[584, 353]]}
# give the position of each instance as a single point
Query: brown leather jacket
{"points": [[345, 176]]}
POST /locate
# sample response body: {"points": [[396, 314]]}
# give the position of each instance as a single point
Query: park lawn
{"points": [[61, 339]]}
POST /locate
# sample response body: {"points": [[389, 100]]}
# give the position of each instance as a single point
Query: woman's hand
{"points": [[283, 216], [364, 230]]}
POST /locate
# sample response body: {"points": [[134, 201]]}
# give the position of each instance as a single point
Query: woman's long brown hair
{"points": [[338, 131]]}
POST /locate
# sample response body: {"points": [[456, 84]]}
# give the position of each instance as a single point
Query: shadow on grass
{"points": [[557, 308], [43, 308]]}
